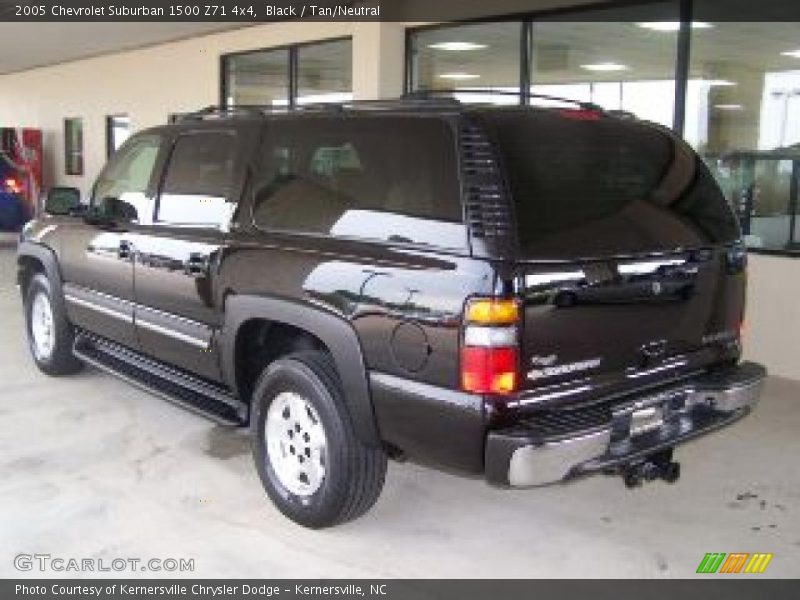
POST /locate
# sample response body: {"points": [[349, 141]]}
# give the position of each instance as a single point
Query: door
{"points": [[97, 253], [177, 310]]}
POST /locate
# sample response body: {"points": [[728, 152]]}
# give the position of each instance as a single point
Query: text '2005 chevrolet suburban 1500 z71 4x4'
{"points": [[528, 294]]}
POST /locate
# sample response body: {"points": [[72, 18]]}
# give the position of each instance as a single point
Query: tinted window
{"points": [[121, 189], [584, 185], [391, 179], [198, 184]]}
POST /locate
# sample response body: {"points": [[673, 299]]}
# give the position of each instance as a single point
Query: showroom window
{"points": [[732, 89], [118, 129], [339, 177], [743, 117], [73, 146], [287, 76], [483, 57], [199, 181]]}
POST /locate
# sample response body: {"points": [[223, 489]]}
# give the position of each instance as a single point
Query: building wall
{"points": [[150, 83]]}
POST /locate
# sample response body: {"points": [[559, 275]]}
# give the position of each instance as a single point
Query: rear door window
{"points": [[198, 185], [390, 179]]}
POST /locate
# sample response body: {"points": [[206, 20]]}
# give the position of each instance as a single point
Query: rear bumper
{"points": [[638, 427]]}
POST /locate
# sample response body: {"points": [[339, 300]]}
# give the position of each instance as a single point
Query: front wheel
{"points": [[312, 465], [50, 335]]}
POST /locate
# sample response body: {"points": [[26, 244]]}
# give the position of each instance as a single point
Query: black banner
{"points": [[261, 11], [261, 589]]}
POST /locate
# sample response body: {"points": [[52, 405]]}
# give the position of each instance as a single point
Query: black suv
{"points": [[528, 294]]}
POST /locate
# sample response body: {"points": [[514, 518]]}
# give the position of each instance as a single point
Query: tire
{"points": [[339, 480], [55, 356]]}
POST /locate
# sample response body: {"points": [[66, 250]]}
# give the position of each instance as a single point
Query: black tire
{"points": [[61, 360], [354, 472]]}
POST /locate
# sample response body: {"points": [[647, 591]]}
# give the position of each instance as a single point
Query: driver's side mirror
{"points": [[62, 201]]}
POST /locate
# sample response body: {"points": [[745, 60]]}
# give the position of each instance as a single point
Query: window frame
{"points": [[417, 246], [292, 51], [80, 170]]}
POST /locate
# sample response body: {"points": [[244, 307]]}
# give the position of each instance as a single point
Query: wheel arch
{"points": [[32, 257], [336, 335]]}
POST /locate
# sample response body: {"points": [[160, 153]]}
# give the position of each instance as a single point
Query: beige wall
{"points": [[772, 324], [150, 83]]}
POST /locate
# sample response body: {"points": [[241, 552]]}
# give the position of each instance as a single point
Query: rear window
{"points": [[389, 179], [585, 185]]}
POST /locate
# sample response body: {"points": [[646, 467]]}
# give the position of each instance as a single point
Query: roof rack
{"points": [[491, 92], [424, 99]]}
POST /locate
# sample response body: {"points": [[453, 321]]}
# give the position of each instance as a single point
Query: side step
{"points": [[179, 387]]}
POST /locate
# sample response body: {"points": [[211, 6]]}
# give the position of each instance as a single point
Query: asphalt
{"points": [[93, 468]]}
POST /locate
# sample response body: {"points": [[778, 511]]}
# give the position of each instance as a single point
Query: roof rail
{"points": [[491, 92]]}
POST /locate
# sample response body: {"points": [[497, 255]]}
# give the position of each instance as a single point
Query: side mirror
{"points": [[62, 200]]}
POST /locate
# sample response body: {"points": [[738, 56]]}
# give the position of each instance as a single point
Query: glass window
{"points": [[118, 129], [198, 184], [73, 146], [121, 189], [257, 78], [393, 179], [484, 57], [325, 72], [743, 116], [604, 185], [620, 59]]}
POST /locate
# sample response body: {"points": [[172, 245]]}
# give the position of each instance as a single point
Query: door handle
{"points": [[196, 265], [125, 250]]}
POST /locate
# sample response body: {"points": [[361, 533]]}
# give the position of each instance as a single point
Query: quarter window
{"points": [[198, 185], [392, 179]]}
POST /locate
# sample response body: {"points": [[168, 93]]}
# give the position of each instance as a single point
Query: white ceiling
{"points": [[27, 45]]}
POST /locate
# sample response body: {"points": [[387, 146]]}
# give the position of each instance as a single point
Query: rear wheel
{"points": [[312, 465], [50, 335]]}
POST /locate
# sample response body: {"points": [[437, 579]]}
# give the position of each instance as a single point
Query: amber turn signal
{"points": [[492, 311]]}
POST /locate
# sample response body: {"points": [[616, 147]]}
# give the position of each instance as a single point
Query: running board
{"points": [[179, 387]]}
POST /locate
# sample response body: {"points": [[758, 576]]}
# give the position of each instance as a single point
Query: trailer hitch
{"points": [[655, 466]]}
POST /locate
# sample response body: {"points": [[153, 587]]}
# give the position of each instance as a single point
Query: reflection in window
{"points": [[121, 189], [485, 56], [325, 72], [257, 78], [743, 116], [340, 177], [198, 183]]}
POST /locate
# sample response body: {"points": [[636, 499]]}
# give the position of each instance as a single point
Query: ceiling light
{"points": [[606, 66], [718, 82], [669, 26], [457, 46], [728, 106], [792, 53], [459, 76]]}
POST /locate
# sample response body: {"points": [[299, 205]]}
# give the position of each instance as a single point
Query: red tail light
{"points": [[489, 370], [12, 185], [490, 355]]}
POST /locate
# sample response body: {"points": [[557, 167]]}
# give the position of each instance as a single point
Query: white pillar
{"points": [[378, 60]]}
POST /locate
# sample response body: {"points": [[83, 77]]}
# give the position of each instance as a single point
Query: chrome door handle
{"points": [[196, 265], [125, 250]]}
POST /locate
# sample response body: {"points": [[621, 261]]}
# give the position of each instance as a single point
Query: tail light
{"points": [[490, 350], [12, 185]]}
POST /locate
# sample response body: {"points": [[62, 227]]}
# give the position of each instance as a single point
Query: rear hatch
{"points": [[628, 255]]}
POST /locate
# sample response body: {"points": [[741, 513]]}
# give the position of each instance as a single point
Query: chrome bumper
{"points": [[638, 427]]}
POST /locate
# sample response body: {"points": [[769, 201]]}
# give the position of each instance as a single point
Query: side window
{"points": [[121, 189], [198, 185], [390, 179]]}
